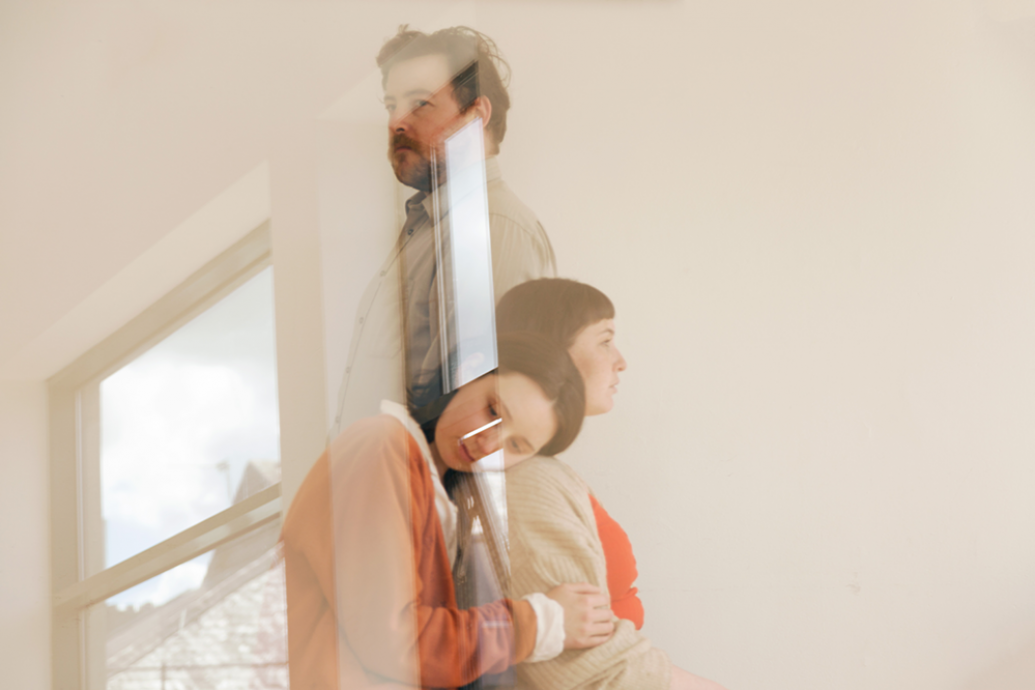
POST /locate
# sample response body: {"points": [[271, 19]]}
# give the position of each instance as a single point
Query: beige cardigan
{"points": [[553, 539]]}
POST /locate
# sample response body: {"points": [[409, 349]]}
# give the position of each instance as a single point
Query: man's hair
{"points": [[557, 308], [475, 62]]}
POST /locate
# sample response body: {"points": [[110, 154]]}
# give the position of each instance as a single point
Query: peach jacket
{"points": [[369, 579]]}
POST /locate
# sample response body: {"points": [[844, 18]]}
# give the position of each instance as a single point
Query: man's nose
{"points": [[398, 120]]}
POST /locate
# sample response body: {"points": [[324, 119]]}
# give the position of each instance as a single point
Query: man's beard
{"points": [[413, 169]]}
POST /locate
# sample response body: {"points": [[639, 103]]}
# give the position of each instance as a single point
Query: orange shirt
{"points": [[621, 566], [369, 583]]}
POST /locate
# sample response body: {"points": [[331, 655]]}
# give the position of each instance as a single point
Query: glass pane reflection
{"points": [[229, 632], [474, 328]]}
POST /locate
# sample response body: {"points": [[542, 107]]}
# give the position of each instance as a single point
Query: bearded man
{"points": [[436, 86]]}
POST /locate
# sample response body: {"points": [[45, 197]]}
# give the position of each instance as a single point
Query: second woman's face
{"points": [[599, 362], [507, 412]]}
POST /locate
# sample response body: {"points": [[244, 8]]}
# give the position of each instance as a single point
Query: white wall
{"points": [[815, 221], [24, 537], [297, 296]]}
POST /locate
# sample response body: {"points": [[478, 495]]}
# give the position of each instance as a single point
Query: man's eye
{"points": [[420, 104]]}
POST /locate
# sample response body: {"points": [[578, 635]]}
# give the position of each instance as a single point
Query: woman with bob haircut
{"points": [[370, 539], [558, 529]]}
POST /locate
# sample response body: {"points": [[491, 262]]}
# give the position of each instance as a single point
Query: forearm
{"points": [[457, 646]]}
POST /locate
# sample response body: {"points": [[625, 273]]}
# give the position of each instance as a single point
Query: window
{"points": [[166, 492]]}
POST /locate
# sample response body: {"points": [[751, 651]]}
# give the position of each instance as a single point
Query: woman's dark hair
{"points": [[550, 367], [557, 308]]}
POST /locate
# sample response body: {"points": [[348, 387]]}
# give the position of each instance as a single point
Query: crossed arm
{"points": [[553, 538]]}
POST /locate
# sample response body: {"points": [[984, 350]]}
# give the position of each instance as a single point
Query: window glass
{"points": [[191, 426], [228, 631]]}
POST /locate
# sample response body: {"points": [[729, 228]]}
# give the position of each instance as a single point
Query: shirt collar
{"points": [[492, 173], [403, 415], [492, 169], [445, 508]]}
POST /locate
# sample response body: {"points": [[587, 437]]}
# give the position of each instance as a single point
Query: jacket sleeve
{"points": [[384, 528], [553, 540], [521, 251]]}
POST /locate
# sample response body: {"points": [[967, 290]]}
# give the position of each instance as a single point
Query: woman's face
{"points": [[507, 412], [599, 361]]}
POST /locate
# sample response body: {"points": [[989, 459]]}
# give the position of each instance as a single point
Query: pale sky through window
{"points": [[178, 426]]}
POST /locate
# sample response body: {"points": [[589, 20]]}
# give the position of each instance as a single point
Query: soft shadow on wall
{"points": [[1014, 671]]}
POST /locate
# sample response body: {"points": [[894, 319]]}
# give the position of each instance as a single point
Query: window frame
{"points": [[79, 579]]}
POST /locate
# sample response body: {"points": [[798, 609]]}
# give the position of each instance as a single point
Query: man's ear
{"points": [[482, 108]]}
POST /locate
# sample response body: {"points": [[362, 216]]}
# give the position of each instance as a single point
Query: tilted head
{"points": [[536, 394]]}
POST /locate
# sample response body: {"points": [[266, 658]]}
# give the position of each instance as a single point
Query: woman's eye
{"points": [[492, 411]]}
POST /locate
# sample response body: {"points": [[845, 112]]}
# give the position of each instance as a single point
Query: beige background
{"points": [[816, 221]]}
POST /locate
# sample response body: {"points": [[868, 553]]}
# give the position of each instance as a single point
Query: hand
{"points": [[587, 614]]}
